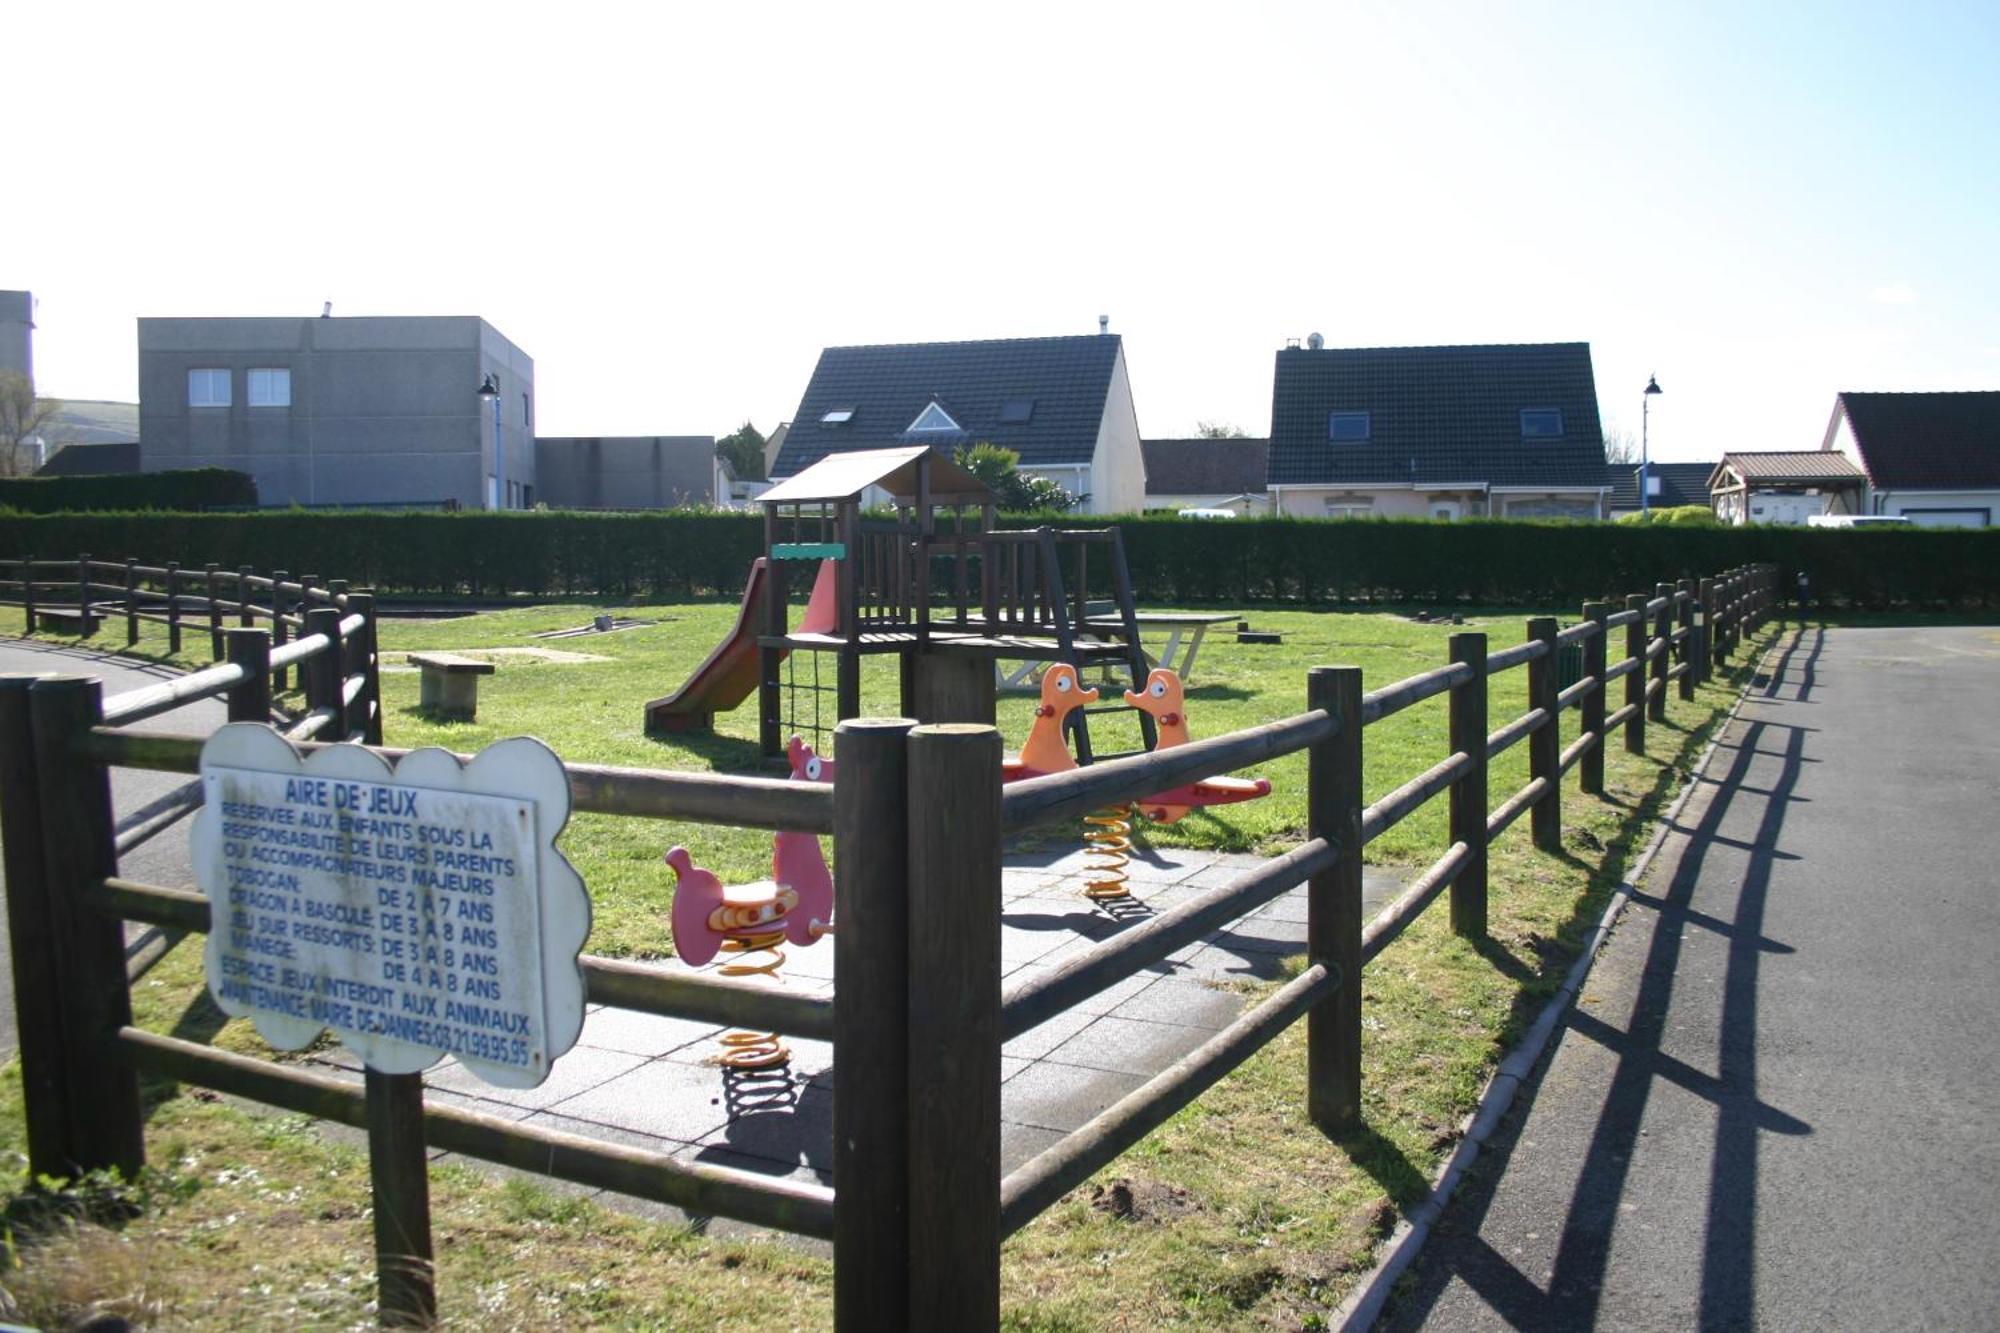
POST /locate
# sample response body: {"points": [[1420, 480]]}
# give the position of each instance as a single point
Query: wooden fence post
{"points": [[367, 715], [250, 699], [86, 620], [44, 1077], [131, 602], [1635, 679], [871, 1007], [1704, 631], [106, 1129], [1684, 626], [1590, 774], [1468, 794], [954, 1027], [212, 586], [1333, 901], [281, 632], [28, 594], [320, 673], [173, 607], [243, 610], [1663, 630], [399, 1179], [1545, 744]]}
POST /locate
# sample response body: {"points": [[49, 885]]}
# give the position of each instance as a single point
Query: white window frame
{"points": [[206, 398], [258, 376], [934, 409]]}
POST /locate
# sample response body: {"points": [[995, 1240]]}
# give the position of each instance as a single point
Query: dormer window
{"points": [[838, 416], [933, 420], [1348, 427], [1541, 423]]}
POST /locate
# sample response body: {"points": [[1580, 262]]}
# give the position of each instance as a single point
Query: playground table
{"points": [[1184, 630]]}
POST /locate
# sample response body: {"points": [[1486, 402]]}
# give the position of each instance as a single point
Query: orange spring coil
{"points": [[753, 1050], [1108, 838]]}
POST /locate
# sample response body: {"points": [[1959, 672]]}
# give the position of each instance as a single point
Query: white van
{"points": [[1858, 521], [1205, 513]]}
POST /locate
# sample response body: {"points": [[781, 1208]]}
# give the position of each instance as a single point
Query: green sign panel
{"points": [[809, 551]]}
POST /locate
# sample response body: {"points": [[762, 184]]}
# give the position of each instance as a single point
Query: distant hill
{"points": [[86, 421]]}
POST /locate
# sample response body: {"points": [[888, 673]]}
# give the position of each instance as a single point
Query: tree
{"points": [[744, 452], [1218, 430], [1620, 447], [998, 469], [23, 416]]}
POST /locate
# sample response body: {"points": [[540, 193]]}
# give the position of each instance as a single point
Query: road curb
{"points": [[1364, 1304]]}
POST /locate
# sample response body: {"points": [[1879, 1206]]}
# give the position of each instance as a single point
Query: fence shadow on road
{"points": [[1568, 1296]]}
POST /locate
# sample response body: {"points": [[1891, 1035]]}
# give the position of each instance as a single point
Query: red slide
{"points": [[729, 674]]}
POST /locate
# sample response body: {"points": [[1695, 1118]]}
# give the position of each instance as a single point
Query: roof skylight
{"points": [[933, 420]]}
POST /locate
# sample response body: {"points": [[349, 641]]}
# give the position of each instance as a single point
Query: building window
{"points": [[208, 388], [527, 412], [270, 388], [1541, 423], [1348, 427], [1017, 411], [1350, 509], [933, 420], [837, 416]]}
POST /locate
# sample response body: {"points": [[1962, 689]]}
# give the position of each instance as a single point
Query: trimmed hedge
{"points": [[1173, 560], [184, 489]]}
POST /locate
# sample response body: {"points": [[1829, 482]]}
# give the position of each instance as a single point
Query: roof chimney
{"points": [[326, 311], [1314, 341], [1103, 324]]}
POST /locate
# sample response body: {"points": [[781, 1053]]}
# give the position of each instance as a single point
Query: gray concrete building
{"points": [[342, 411], [626, 471], [17, 333]]}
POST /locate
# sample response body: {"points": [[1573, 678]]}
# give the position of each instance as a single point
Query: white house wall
{"points": [[1117, 465], [1958, 509]]}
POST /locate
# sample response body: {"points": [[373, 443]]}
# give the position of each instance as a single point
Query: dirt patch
{"points": [[553, 656], [1142, 1201]]}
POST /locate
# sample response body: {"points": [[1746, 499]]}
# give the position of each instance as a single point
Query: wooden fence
{"points": [[918, 1206]]}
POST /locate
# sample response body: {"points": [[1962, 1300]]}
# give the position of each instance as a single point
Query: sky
{"points": [[672, 209]]}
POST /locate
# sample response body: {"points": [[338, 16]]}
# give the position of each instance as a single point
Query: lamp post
{"points": [[1645, 457], [489, 389]]}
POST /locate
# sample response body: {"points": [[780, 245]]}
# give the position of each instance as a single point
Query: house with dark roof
{"points": [[1502, 431], [1063, 404], [1208, 474], [1785, 486], [1932, 457], [1672, 486]]}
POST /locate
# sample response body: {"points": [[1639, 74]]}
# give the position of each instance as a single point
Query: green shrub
{"points": [[1173, 560], [187, 489]]}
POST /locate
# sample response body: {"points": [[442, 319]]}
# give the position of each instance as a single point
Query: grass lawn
{"points": [[1240, 1213]]}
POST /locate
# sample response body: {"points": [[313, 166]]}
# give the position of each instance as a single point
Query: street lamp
{"points": [[1645, 458], [489, 389]]}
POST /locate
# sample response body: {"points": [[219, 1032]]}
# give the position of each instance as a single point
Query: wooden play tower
{"points": [[938, 586]]}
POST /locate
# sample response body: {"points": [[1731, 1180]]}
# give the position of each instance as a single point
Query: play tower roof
{"points": [[843, 477]]}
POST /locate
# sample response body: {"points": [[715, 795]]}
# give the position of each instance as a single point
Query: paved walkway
{"points": [[1775, 1104]]}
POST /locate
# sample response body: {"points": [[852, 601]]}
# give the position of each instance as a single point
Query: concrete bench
{"points": [[450, 683], [67, 620]]}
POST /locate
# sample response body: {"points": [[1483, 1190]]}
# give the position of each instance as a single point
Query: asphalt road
{"points": [[164, 860], [1775, 1104]]}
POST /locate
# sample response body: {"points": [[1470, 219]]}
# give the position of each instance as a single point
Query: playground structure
{"points": [[937, 586]]}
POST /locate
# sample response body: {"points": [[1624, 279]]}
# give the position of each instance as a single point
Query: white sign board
{"points": [[417, 912]]}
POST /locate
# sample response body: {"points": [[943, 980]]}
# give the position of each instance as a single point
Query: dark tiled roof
{"points": [[1206, 467], [1067, 380], [1922, 441], [1680, 484], [1797, 467], [92, 460], [1437, 415]]}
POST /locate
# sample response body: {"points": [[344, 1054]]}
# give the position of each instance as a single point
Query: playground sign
{"points": [[417, 911]]}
